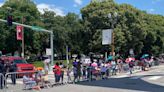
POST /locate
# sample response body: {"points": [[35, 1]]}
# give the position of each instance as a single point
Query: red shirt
{"points": [[57, 70]]}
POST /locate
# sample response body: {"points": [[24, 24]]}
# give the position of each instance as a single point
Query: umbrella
{"points": [[129, 59], [94, 64], [145, 55], [110, 58]]}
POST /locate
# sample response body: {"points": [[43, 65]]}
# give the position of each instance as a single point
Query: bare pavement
{"points": [[145, 81]]}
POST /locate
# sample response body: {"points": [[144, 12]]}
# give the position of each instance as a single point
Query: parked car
{"points": [[22, 65]]}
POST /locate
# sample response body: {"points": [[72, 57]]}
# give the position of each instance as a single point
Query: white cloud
{"points": [[78, 2], [155, 1], [1, 4], [151, 10], [57, 10]]}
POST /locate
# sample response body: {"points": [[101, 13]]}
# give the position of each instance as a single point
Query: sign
{"points": [[48, 51], [107, 36], [19, 32], [131, 52]]}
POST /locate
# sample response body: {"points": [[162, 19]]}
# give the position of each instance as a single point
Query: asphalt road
{"points": [[147, 81]]}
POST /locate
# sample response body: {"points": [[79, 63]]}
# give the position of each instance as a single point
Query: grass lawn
{"points": [[40, 63]]}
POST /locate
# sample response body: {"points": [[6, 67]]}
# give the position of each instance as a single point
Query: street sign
{"points": [[48, 51], [131, 52], [37, 28], [107, 36]]}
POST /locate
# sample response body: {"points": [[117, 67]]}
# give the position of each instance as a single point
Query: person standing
{"points": [[46, 65], [2, 71], [57, 72], [78, 71], [131, 65], [68, 75], [13, 68], [74, 73], [62, 72]]}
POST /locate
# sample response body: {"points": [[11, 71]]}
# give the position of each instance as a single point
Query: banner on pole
{"points": [[107, 36], [19, 32]]}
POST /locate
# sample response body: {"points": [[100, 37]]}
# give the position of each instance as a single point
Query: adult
{"points": [[79, 71], [62, 72], [131, 65], [13, 68], [2, 71], [57, 72], [113, 66], [74, 73], [46, 65]]}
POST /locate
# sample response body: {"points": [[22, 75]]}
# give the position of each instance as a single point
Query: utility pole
{"points": [[67, 55], [23, 38]]}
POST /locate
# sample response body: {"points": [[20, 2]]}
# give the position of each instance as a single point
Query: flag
{"points": [[19, 32]]}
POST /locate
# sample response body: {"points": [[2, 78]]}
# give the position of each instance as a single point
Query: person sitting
{"points": [[30, 83], [46, 81]]}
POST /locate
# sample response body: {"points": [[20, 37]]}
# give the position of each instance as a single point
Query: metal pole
{"points": [[22, 38], [52, 47], [67, 55], [106, 56], [113, 43]]}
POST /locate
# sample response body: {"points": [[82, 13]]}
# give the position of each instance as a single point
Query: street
{"points": [[144, 81]]}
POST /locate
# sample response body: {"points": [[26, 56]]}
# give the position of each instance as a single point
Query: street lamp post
{"points": [[113, 18]]}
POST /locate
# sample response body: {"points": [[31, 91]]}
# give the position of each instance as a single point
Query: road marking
{"points": [[154, 78], [136, 77], [121, 76]]}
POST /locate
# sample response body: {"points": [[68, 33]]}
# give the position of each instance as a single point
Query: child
{"points": [[68, 75], [84, 72]]}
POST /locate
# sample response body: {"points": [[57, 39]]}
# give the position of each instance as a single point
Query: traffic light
{"points": [[9, 20]]}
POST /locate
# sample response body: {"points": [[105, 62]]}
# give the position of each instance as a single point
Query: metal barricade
{"points": [[15, 75], [2, 79]]}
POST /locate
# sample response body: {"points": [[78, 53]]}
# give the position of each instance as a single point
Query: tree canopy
{"points": [[133, 29]]}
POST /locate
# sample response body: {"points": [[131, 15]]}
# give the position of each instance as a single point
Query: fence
{"points": [[14, 76]]}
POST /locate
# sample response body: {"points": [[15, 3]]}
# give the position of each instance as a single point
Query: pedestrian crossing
{"points": [[155, 77]]}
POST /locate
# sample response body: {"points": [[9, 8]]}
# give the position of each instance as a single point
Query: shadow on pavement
{"points": [[126, 83]]}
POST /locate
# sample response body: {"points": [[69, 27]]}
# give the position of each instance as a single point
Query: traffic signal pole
{"points": [[37, 29]]}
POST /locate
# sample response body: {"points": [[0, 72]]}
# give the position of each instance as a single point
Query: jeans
{"points": [[13, 78], [1, 82], [57, 78]]}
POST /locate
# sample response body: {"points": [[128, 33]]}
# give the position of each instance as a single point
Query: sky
{"points": [[62, 7]]}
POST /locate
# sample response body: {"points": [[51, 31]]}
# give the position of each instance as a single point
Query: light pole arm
{"points": [[39, 29]]}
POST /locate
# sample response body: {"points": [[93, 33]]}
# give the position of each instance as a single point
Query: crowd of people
{"points": [[98, 69], [78, 70]]}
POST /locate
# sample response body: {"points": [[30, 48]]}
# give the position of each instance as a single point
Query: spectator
{"points": [[75, 73], [103, 70], [57, 72], [113, 64], [68, 75], [84, 72], [13, 68], [131, 64], [62, 72], [78, 71], [46, 65], [2, 71]]}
